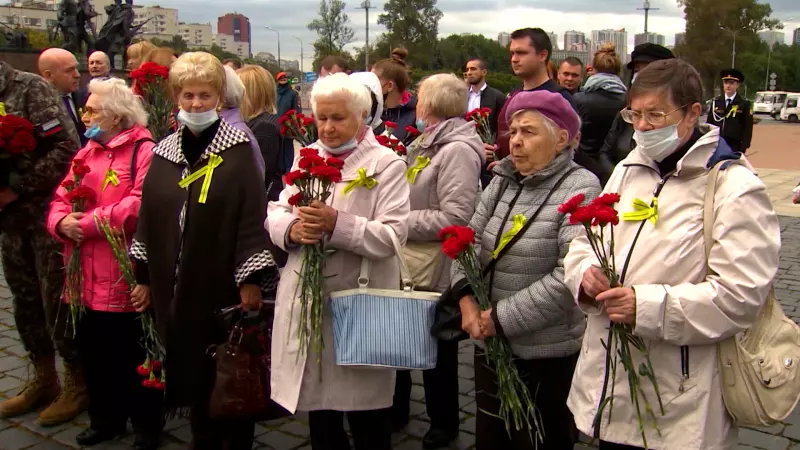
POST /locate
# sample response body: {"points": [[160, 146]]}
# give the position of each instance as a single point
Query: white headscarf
{"points": [[371, 82]]}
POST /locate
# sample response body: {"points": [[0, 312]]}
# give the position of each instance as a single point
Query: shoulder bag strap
{"points": [[136, 146], [489, 267]]}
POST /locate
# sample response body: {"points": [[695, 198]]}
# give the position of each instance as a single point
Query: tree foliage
{"points": [[709, 47], [176, 43], [413, 24], [332, 29]]}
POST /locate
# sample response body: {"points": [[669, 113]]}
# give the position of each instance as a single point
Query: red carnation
{"points": [[307, 121], [295, 199], [603, 215], [485, 111], [606, 199], [293, 177], [68, 185], [326, 173], [157, 385], [383, 140], [413, 131], [21, 142], [81, 194], [308, 152], [334, 162], [147, 383], [464, 234], [310, 161], [143, 371], [155, 365], [571, 205], [451, 247], [389, 124], [80, 169], [583, 215]]}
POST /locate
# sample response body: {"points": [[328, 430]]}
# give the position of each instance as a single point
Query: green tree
{"points": [[176, 43], [709, 47], [413, 24], [331, 27], [455, 50]]}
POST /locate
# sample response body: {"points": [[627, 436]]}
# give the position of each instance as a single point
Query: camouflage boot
{"points": [[40, 389], [73, 400]]}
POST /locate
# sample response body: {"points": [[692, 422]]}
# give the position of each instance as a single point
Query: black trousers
{"points": [[613, 446], [110, 351], [371, 430], [441, 390], [549, 380], [218, 434]]}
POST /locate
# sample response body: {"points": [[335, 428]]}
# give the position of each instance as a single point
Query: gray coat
{"points": [[444, 192], [534, 309]]}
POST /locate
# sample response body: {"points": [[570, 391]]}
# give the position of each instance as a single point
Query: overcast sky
{"points": [[487, 17]]}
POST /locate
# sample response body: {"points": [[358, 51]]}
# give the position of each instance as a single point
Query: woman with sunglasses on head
{"points": [[678, 299]]}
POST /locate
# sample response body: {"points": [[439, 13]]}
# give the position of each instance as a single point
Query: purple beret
{"points": [[551, 105]]}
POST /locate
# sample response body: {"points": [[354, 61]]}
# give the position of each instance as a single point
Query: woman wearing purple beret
{"points": [[531, 306]]}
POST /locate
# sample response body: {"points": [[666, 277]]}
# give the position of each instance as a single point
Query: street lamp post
{"points": [[769, 57], [279, 45], [734, 33], [302, 72]]}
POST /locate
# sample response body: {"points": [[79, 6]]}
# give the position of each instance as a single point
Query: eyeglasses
{"points": [[90, 112], [654, 118]]}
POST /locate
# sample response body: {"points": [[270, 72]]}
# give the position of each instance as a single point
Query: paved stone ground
{"points": [[292, 433]]}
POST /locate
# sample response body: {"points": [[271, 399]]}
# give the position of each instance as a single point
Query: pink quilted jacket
{"points": [[103, 288]]}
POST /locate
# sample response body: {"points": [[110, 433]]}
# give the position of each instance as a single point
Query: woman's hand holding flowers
{"points": [[140, 297], [487, 324], [620, 304], [318, 217], [470, 317], [69, 227]]}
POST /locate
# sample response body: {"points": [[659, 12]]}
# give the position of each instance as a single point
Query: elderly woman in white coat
{"points": [[679, 300], [353, 225]]}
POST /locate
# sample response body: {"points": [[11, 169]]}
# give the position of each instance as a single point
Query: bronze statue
{"points": [[118, 31], [76, 26]]}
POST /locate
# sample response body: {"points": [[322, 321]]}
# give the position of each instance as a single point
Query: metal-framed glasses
{"points": [[654, 118], [91, 112]]}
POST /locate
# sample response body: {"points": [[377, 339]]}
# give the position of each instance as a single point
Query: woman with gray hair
{"points": [[118, 153], [449, 156], [370, 202], [531, 306], [230, 113]]}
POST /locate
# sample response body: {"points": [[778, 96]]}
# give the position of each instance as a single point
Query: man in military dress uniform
{"points": [[732, 113], [32, 260]]}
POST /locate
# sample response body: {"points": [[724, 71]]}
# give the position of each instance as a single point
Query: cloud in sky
{"points": [[488, 17]]}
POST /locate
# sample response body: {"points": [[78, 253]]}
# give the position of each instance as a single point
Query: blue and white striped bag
{"points": [[384, 327]]}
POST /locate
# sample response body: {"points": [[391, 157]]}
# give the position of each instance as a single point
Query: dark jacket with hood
{"points": [[598, 104], [403, 115]]}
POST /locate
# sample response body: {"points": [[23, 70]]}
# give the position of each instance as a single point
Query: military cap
{"points": [[732, 74]]}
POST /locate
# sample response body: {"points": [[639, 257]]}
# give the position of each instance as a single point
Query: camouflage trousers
{"points": [[34, 269]]}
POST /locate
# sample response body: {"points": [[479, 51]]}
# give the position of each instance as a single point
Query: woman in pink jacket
{"points": [[118, 153]]}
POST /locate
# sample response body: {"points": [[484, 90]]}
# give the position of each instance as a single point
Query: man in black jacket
{"points": [[60, 68], [481, 95], [732, 113]]}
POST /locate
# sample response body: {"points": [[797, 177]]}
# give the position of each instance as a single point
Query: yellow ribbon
{"points": [[733, 111], [2, 109], [642, 211], [411, 172], [519, 221], [362, 180], [111, 178], [206, 172]]}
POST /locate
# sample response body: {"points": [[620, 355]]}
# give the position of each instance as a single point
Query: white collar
{"points": [[471, 91], [731, 97]]}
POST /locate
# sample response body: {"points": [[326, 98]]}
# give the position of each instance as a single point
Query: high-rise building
{"points": [[554, 40], [653, 38], [266, 57], [796, 38], [560, 55], [771, 37], [503, 39], [196, 35], [237, 26], [161, 23], [573, 38], [680, 38], [617, 37]]}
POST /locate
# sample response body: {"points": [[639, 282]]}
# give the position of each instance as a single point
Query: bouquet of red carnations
{"points": [[298, 127], [16, 140], [155, 376], [481, 118], [314, 179], [151, 83], [516, 404], [392, 143], [598, 219], [79, 196]]}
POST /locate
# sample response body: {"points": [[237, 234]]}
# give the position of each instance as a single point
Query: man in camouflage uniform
{"points": [[32, 259]]}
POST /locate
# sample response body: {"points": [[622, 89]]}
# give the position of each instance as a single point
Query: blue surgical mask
{"points": [[347, 147], [94, 133], [420, 125]]}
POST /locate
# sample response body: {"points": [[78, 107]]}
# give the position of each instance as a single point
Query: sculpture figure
{"points": [[118, 31]]}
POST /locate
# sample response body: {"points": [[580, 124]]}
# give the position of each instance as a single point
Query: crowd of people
{"points": [[201, 245]]}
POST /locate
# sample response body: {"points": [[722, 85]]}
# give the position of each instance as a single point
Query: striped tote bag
{"points": [[384, 327]]}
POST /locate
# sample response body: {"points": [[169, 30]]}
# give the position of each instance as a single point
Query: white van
{"points": [[790, 110], [769, 102]]}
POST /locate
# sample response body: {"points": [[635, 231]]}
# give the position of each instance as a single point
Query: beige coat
{"points": [[677, 302], [365, 216]]}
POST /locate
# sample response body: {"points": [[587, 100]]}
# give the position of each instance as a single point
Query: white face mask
{"points": [[658, 144], [342, 149], [198, 122]]}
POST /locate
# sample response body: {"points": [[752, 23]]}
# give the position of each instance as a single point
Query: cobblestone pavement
{"points": [[292, 433]]}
